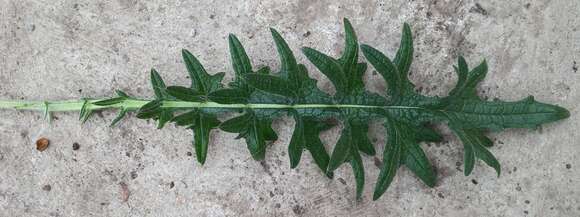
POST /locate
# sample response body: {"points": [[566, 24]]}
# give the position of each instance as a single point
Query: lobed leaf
{"points": [[260, 97]]}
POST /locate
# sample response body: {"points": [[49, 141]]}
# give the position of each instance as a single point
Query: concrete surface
{"points": [[69, 49]]}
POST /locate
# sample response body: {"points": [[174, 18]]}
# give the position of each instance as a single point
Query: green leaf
{"points": [[467, 80], [240, 61], [165, 116], [474, 145], [359, 172], [229, 96], [341, 151], [306, 136], [329, 67], [347, 150], [289, 67], [149, 110], [404, 55], [353, 70], [416, 160], [111, 101], [185, 94], [391, 157], [85, 113], [201, 81], [389, 71], [257, 132], [270, 84], [158, 85], [120, 116], [203, 124], [261, 97]]}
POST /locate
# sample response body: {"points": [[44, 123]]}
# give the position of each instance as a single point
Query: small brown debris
{"points": [[76, 146], [298, 210], [134, 174], [478, 9], [378, 162], [42, 144], [124, 192], [171, 184], [46, 188]]}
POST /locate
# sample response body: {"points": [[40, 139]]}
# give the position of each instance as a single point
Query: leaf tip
{"points": [[185, 53], [347, 23], [364, 47], [274, 32], [201, 159], [406, 28], [377, 195], [497, 169]]}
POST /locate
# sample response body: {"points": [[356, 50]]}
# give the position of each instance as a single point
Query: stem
{"points": [[134, 104]]}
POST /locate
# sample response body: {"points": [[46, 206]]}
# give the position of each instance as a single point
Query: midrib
{"points": [[134, 104]]}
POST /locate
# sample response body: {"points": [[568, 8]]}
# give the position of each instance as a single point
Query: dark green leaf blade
{"points": [[388, 70], [404, 55], [359, 172], [289, 67], [498, 115], [111, 101], [329, 67], [391, 158], [165, 116], [359, 133], [306, 136], [349, 59], [256, 131], [270, 84], [237, 124], [184, 93], [229, 96], [240, 61], [201, 81], [474, 144], [416, 160], [149, 110], [341, 151], [204, 123], [467, 80], [119, 117], [158, 85]]}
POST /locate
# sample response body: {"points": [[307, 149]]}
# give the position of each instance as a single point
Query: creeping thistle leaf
{"points": [[306, 136], [467, 115], [201, 121], [256, 130], [346, 75], [260, 97], [201, 81], [294, 84], [85, 113]]}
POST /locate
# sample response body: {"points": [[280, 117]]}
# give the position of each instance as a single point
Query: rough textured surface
{"points": [[70, 49]]}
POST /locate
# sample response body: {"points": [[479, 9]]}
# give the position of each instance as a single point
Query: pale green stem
{"points": [[134, 104]]}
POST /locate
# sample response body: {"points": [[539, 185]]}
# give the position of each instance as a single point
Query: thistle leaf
{"points": [[259, 97]]}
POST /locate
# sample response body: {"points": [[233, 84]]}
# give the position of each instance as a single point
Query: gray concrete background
{"points": [[68, 50]]}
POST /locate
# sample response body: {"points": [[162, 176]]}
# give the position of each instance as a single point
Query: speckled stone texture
{"points": [[72, 49]]}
